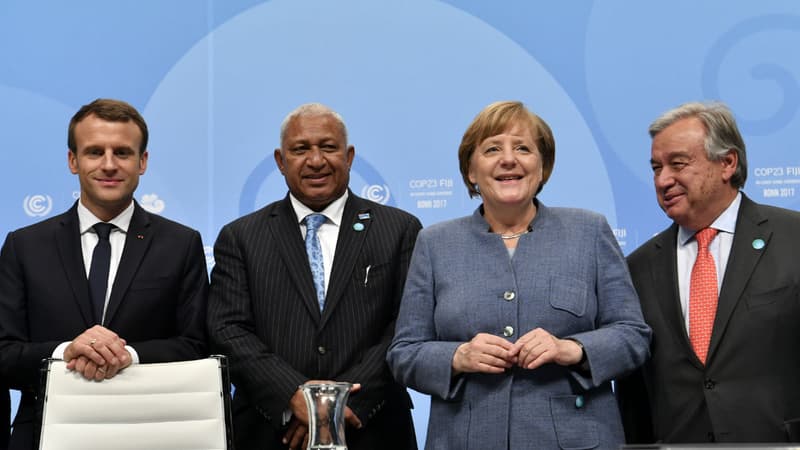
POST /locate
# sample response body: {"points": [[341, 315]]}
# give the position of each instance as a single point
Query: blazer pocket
{"points": [[575, 428], [373, 275], [568, 294], [759, 299]]}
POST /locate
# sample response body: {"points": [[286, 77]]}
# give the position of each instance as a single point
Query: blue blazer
{"points": [[567, 276]]}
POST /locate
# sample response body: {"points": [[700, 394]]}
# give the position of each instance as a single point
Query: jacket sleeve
{"points": [[416, 356]]}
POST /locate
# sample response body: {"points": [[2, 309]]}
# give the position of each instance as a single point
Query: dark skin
{"points": [[315, 160], [297, 433]]}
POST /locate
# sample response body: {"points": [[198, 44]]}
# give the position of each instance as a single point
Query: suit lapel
{"points": [[137, 241], [741, 264], [68, 242], [286, 234], [348, 247], [665, 281]]}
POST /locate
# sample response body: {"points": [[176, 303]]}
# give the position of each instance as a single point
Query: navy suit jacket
{"points": [[5, 411], [157, 301], [263, 314], [750, 384]]}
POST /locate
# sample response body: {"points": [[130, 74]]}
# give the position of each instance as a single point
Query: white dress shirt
{"points": [[86, 221], [719, 247], [328, 232]]}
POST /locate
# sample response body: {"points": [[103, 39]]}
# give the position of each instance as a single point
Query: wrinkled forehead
{"points": [[313, 124]]}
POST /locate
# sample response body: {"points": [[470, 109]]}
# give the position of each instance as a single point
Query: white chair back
{"points": [[166, 406]]}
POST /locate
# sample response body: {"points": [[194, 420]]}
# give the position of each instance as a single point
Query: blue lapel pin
{"points": [[358, 226], [363, 216], [758, 244]]}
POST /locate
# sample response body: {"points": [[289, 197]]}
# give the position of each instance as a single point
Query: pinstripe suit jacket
{"points": [[264, 315]]}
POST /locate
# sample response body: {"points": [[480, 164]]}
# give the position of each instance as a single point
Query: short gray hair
{"points": [[722, 134], [312, 109]]}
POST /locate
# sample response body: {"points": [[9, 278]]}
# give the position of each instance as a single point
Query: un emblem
{"points": [[37, 205], [378, 193]]}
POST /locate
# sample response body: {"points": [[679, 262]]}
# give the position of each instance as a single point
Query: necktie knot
{"points": [[704, 237], [314, 221], [103, 230]]}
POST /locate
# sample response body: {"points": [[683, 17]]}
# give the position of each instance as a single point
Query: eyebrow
{"points": [[100, 147]]}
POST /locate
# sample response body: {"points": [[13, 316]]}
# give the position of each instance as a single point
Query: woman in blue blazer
{"points": [[516, 319]]}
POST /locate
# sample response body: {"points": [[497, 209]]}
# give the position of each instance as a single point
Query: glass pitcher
{"points": [[326, 402]]}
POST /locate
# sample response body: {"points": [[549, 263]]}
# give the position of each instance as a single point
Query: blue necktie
{"points": [[98, 272], [314, 252]]}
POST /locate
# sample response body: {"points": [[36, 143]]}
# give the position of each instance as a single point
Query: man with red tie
{"points": [[720, 289]]}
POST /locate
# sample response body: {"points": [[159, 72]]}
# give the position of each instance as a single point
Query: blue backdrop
{"points": [[215, 78]]}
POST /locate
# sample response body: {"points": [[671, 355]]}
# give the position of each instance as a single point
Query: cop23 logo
{"points": [[37, 205], [378, 193]]}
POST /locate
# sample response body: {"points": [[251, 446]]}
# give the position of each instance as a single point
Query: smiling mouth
{"points": [[509, 178], [671, 199], [316, 177]]}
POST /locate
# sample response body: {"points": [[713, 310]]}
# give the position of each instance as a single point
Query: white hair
{"points": [[312, 109]]}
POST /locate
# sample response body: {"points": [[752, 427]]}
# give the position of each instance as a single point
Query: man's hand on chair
{"points": [[97, 354]]}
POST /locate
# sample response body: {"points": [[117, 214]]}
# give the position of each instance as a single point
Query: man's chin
{"points": [[678, 216]]}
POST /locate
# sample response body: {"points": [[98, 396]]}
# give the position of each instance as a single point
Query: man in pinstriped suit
{"points": [[264, 312]]}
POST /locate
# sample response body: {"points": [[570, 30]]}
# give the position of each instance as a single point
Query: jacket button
{"points": [[579, 401], [709, 383], [321, 350], [509, 295], [508, 331]]}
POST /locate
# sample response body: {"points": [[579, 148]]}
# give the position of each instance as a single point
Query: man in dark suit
{"points": [[5, 416], [721, 290], [281, 325], [150, 303]]}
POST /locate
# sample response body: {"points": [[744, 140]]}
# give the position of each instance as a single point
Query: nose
{"points": [[109, 160], [315, 158], [663, 178], [508, 157]]}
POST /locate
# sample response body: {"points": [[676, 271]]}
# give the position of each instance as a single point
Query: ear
{"points": [[279, 160], [143, 162], [729, 162], [72, 162], [471, 175], [351, 154]]}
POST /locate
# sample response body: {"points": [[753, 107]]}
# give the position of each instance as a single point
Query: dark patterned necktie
{"points": [[314, 252], [98, 272]]}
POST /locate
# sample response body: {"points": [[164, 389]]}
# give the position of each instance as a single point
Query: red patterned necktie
{"points": [[702, 295]]}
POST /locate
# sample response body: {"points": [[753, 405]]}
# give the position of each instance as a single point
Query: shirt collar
{"points": [[726, 222], [86, 219], [333, 212]]}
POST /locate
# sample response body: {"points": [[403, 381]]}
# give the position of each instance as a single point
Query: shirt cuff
{"points": [[286, 417], [58, 353], [134, 355]]}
